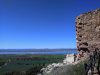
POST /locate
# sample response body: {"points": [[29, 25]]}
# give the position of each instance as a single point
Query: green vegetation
{"points": [[26, 64], [76, 69]]}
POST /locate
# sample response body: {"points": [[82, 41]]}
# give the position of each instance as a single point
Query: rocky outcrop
{"points": [[68, 60], [88, 31]]}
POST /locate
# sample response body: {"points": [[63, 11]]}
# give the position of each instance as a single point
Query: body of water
{"points": [[74, 52]]}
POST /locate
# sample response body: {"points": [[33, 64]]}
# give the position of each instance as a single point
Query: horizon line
{"points": [[38, 48]]}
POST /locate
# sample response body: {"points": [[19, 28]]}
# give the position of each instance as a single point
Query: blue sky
{"points": [[41, 23]]}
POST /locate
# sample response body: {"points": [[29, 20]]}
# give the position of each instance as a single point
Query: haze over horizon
{"points": [[36, 24]]}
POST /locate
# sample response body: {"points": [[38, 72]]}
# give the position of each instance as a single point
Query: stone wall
{"points": [[88, 31]]}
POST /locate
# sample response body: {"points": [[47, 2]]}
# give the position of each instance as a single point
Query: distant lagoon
{"points": [[65, 52]]}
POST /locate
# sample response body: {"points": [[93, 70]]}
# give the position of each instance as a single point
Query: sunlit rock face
{"points": [[69, 59], [88, 31]]}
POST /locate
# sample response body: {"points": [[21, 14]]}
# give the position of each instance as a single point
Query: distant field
{"points": [[23, 63]]}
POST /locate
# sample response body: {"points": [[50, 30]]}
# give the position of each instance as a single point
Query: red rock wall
{"points": [[88, 31]]}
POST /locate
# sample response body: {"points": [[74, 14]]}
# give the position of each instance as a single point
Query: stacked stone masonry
{"points": [[88, 31]]}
